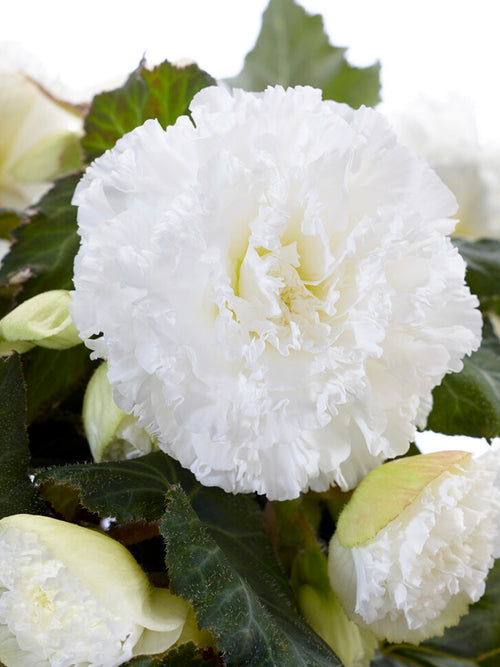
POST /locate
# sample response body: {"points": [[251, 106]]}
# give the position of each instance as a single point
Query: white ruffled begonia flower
{"points": [[73, 597], [415, 543], [273, 288], [111, 434], [444, 132]]}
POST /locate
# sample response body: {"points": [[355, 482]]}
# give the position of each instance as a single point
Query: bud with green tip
{"points": [[43, 320], [415, 543], [112, 434], [73, 596], [355, 646]]}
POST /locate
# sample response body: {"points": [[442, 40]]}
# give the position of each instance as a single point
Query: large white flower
{"points": [[274, 287], [73, 597], [415, 543]]}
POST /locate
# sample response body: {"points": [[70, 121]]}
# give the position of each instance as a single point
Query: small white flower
{"points": [[73, 597], [272, 287], [415, 543], [444, 132]]}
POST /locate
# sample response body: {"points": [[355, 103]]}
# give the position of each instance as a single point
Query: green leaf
{"points": [[475, 641], [17, 495], [128, 490], [163, 93], [220, 559], [293, 49], [483, 265], [9, 219], [47, 245], [52, 375], [468, 403], [187, 655]]}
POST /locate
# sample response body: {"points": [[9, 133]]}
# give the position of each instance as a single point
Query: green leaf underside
{"points": [[474, 642], [17, 495], [164, 92], [293, 49], [468, 403], [48, 244], [219, 556]]}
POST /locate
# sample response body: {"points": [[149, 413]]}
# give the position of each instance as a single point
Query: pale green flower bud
{"points": [[355, 646], [112, 434], [415, 543], [72, 596], [43, 320]]}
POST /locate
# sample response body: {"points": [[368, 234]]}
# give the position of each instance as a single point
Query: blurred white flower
{"points": [[272, 287], [415, 543], [444, 132], [38, 140], [72, 597]]}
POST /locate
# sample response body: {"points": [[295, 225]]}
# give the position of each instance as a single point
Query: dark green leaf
{"points": [[220, 559], [47, 244], [163, 93], [293, 49], [187, 655], [468, 403], [9, 219], [17, 495], [483, 265], [128, 490], [51, 375]]}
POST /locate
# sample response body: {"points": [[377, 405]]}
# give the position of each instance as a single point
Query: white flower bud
{"points": [[414, 544], [71, 597], [43, 320], [112, 434]]}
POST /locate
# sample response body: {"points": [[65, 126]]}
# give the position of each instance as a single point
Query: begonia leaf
{"points": [[293, 49], [52, 375], [474, 642], [17, 494], [163, 92], [128, 490], [483, 265], [45, 247], [468, 403], [220, 559], [9, 219]]}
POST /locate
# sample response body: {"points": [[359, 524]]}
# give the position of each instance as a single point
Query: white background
{"points": [[425, 46]]}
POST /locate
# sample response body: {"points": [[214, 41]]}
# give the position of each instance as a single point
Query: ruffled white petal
{"points": [[274, 286], [421, 572]]}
